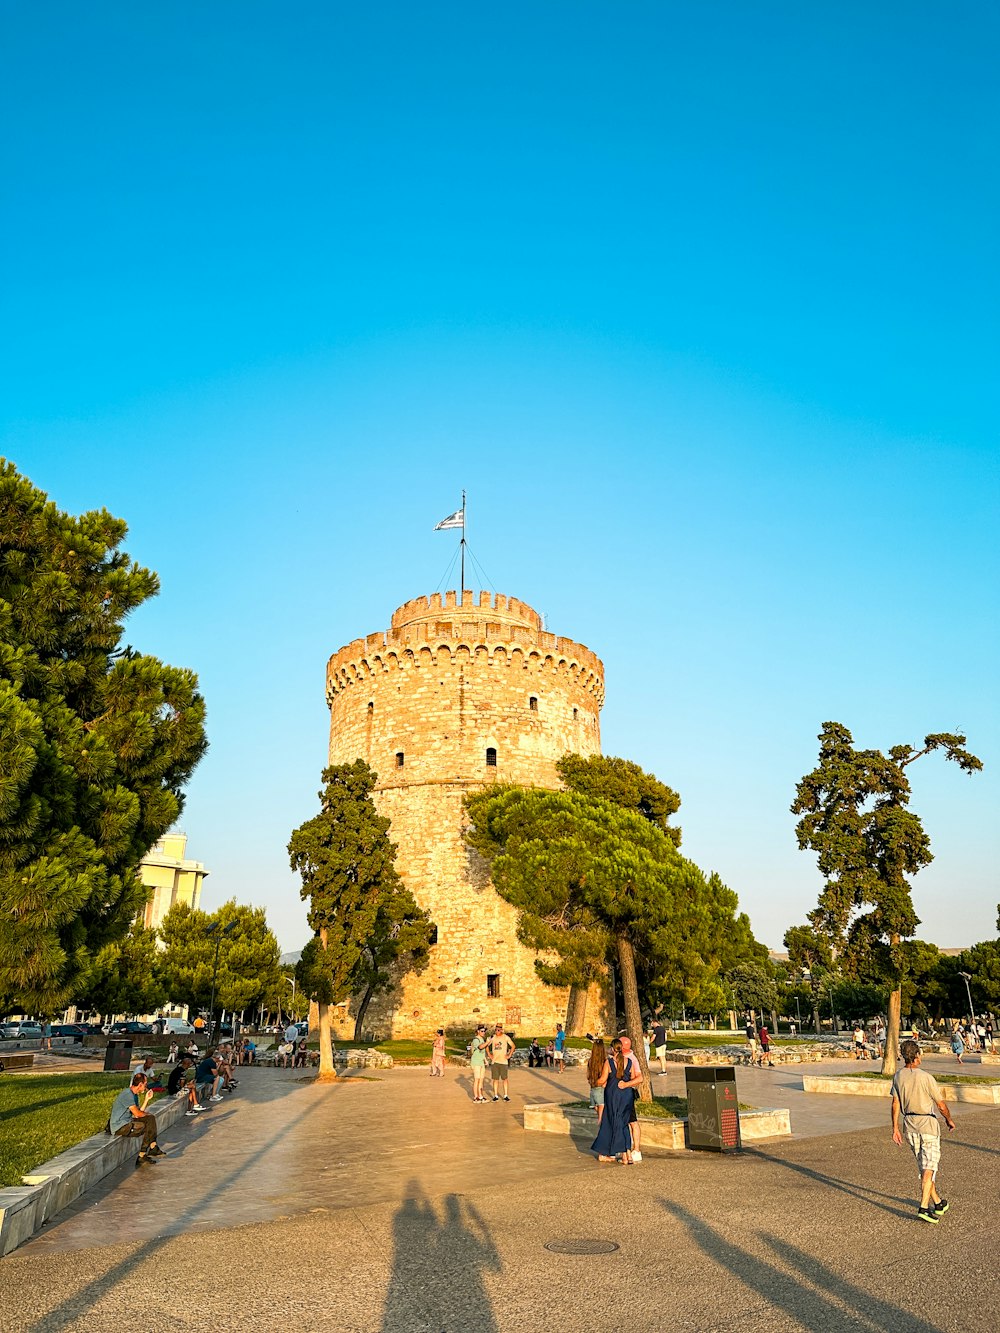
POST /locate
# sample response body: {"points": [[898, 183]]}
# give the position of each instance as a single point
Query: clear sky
{"points": [[698, 302]]}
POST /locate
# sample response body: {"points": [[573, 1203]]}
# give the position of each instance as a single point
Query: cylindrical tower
{"points": [[454, 696]]}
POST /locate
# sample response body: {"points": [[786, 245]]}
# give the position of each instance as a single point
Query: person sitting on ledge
{"points": [[129, 1118], [536, 1056]]}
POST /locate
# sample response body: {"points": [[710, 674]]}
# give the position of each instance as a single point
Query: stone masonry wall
{"points": [[424, 703]]}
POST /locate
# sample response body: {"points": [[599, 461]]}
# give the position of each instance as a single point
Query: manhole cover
{"points": [[581, 1246]]}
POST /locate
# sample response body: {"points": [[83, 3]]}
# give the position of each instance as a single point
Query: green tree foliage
{"points": [[982, 962], [622, 782], [854, 814], [598, 879], [98, 741], [126, 976], [810, 951], [366, 925], [248, 957], [752, 987]]}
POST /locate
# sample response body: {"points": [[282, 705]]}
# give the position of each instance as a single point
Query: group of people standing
{"points": [[614, 1076], [976, 1035]]}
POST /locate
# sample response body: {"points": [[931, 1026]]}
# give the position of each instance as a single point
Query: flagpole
{"points": [[462, 596]]}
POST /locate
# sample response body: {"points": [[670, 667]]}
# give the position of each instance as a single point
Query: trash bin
{"points": [[713, 1108], [118, 1056]]}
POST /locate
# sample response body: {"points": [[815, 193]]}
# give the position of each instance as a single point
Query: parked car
{"points": [[131, 1028], [77, 1030], [22, 1031], [176, 1027]]}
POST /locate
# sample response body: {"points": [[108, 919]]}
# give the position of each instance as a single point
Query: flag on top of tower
{"points": [[455, 520]]}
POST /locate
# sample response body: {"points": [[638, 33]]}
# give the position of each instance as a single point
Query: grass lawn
{"points": [[44, 1114]]}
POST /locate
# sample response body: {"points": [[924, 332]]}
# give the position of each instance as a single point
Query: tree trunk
{"points": [[890, 1053], [327, 1069], [633, 1014], [362, 1010], [576, 1011]]}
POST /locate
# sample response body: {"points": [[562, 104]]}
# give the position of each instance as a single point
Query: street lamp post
{"points": [[291, 982], [967, 977], [210, 930]]}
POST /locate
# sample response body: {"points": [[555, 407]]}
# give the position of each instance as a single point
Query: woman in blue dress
{"points": [[614, 1138]]}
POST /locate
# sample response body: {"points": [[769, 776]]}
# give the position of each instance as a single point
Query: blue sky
{"points": [[699, 303]]}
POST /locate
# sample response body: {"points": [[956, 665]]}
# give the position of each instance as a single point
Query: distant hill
{"points": [[290, 959]]}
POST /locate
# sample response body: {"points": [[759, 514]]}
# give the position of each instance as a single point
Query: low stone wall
{"points": [[983, 1094], [56, 1184], [740, 1054], [657, 1131]]}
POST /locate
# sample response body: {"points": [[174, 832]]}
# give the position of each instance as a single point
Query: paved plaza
{"points": [[389, 1202]]}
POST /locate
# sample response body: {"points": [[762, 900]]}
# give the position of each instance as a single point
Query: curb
{"points": [[54, 1185]]}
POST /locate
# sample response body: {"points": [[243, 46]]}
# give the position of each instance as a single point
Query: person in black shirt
{"points": [[660, 1044], [181, 1084]]}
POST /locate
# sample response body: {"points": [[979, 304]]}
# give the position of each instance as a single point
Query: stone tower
{"points": [[453, 696]]}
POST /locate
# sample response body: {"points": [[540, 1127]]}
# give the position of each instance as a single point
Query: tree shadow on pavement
{"points": [[863, 1193], [438, 1265], [81, 1302], [786, 1291]]}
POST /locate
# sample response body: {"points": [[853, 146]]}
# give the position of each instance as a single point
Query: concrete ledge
{"points": [[657, 1131], [55, 1184], [12, 1060], [984, 1094]]}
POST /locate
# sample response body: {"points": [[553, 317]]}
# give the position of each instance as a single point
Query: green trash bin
{"points": [[713, 1108], [118, 1055]]}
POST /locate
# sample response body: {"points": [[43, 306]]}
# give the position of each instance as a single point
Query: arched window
{"points": [[491, 758], [399, 758], [533, 703]]}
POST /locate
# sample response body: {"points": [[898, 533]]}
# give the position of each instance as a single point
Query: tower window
{"points": [[533, 703], [371, 707], [493, 985], [574, 714], [491, 758], [399, 758]]}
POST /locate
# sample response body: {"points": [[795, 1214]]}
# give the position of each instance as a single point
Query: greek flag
{"points": [[455, 520]]}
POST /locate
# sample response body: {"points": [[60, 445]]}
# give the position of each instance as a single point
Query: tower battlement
{"points": [[427, 630]]}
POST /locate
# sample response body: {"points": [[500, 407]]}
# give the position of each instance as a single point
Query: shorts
{"points": [[597, 1097], [500, 1070], [926, 1149], [661, 1052]]}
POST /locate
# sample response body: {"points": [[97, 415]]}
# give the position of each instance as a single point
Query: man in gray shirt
{"points": [[915, 1099], [129, 1118]]}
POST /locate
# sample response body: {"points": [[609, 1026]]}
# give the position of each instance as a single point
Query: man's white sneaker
{"points": [[637, 1157], [215, 1099]]}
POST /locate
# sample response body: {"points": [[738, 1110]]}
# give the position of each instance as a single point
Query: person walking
{"points": [[501, 1048], [437, 1054], [660, 1044], [613, 1142], [597, 1076], [765, 1046], [477, 1062], [751, 1032], [958, 1044], [915, 1098]]}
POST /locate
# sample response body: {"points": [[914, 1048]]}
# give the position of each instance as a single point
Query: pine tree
{"points": [[598, 880], [365, 923], [248, 957], [98, 741], [854, 815]]}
